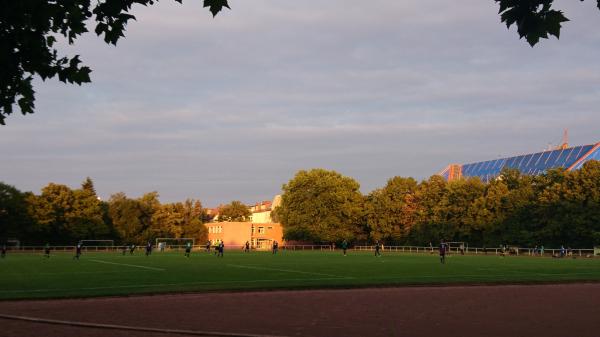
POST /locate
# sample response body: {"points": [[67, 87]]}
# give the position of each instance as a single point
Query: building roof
{"points": [[570, 158]]}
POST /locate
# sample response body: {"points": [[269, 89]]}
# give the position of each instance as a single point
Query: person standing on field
{"points": [[442, 252], [247, 247], [188, 249], [47, 251], [221, 249], [344, 246], [208, 246], [148, 248], [377, 248], [77, 251]]}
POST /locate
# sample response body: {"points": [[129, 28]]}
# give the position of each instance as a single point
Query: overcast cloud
{"points": [[230, 108]]}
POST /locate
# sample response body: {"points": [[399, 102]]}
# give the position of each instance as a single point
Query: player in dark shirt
{"points": [[221, 249], [443, 249], [77, 251], [377, 248], [208, 246], [344, 247], [148, 248], [188, 249], [247, 247], [275, 247], [47, 251]]}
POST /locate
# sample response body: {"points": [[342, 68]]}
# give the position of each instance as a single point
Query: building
{"points": [[261, 212], [260, 231], [569, 158], [260, 235]]}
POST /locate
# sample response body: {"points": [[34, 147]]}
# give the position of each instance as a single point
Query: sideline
{"points": [[128, 265], [168, 285], [128, 327]]}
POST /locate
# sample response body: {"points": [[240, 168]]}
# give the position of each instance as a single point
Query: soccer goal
{"points": [[163, 244], [13, 244], [459, 247]]}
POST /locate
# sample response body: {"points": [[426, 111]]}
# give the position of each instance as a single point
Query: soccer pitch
{"points": [[28, 276]]}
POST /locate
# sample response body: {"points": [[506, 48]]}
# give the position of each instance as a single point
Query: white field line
{"points": [[129, 265], [479, 276], [167, 285], [288, 271]]}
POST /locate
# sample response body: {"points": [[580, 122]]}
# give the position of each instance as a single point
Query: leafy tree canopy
{"points": [[28, 36], [235, 211], [321, 205]]}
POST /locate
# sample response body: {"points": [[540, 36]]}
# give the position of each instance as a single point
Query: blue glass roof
{"points": [[532, 164]]}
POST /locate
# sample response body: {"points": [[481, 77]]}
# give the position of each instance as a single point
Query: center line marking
{"points": [[288, 271], [128, 265]]}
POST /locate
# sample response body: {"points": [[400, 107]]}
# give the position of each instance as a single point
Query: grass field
{"points": [[28, 276]]}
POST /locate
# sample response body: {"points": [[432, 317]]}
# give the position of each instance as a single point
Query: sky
{"points": [[231, 108]]}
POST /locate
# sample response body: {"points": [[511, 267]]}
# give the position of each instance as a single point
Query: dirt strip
{"points": [[513, 310]]}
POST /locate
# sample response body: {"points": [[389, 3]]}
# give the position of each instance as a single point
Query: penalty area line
{"points": [[128, 265]]}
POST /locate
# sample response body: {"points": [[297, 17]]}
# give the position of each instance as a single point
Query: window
{"points": [[261, 230], [269, 228]]}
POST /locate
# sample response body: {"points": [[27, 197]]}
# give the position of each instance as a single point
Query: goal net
{"points": [[456, 247], [13, 244], [163, 244]]}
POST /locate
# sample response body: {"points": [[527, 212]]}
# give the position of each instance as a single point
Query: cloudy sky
{"points": [[230, 108]]}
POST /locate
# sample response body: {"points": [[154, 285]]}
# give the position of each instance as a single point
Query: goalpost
{"points": [[457, 246], [173, 243], [13, 244]]}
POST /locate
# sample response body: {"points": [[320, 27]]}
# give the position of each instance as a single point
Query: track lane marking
{"points": [[130, 328]]}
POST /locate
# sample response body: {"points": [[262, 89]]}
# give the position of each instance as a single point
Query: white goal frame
{"points": [[13, 243], [167, 240]]}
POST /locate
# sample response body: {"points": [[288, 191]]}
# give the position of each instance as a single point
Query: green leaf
{"points": [[216, 6]]}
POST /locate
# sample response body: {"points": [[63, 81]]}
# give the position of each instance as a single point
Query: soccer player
{"points": [[275, 247], [77, 251], [132, 249], [208, 246], [377, 248], [3, 253], [221, 248], [443, 248], [344, 246], [148, 249], [188, 249], [247, 247], [47, 251]]}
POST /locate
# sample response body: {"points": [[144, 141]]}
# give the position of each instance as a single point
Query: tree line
{"points": [[553, 209], [61, 215], [321, 206]]}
